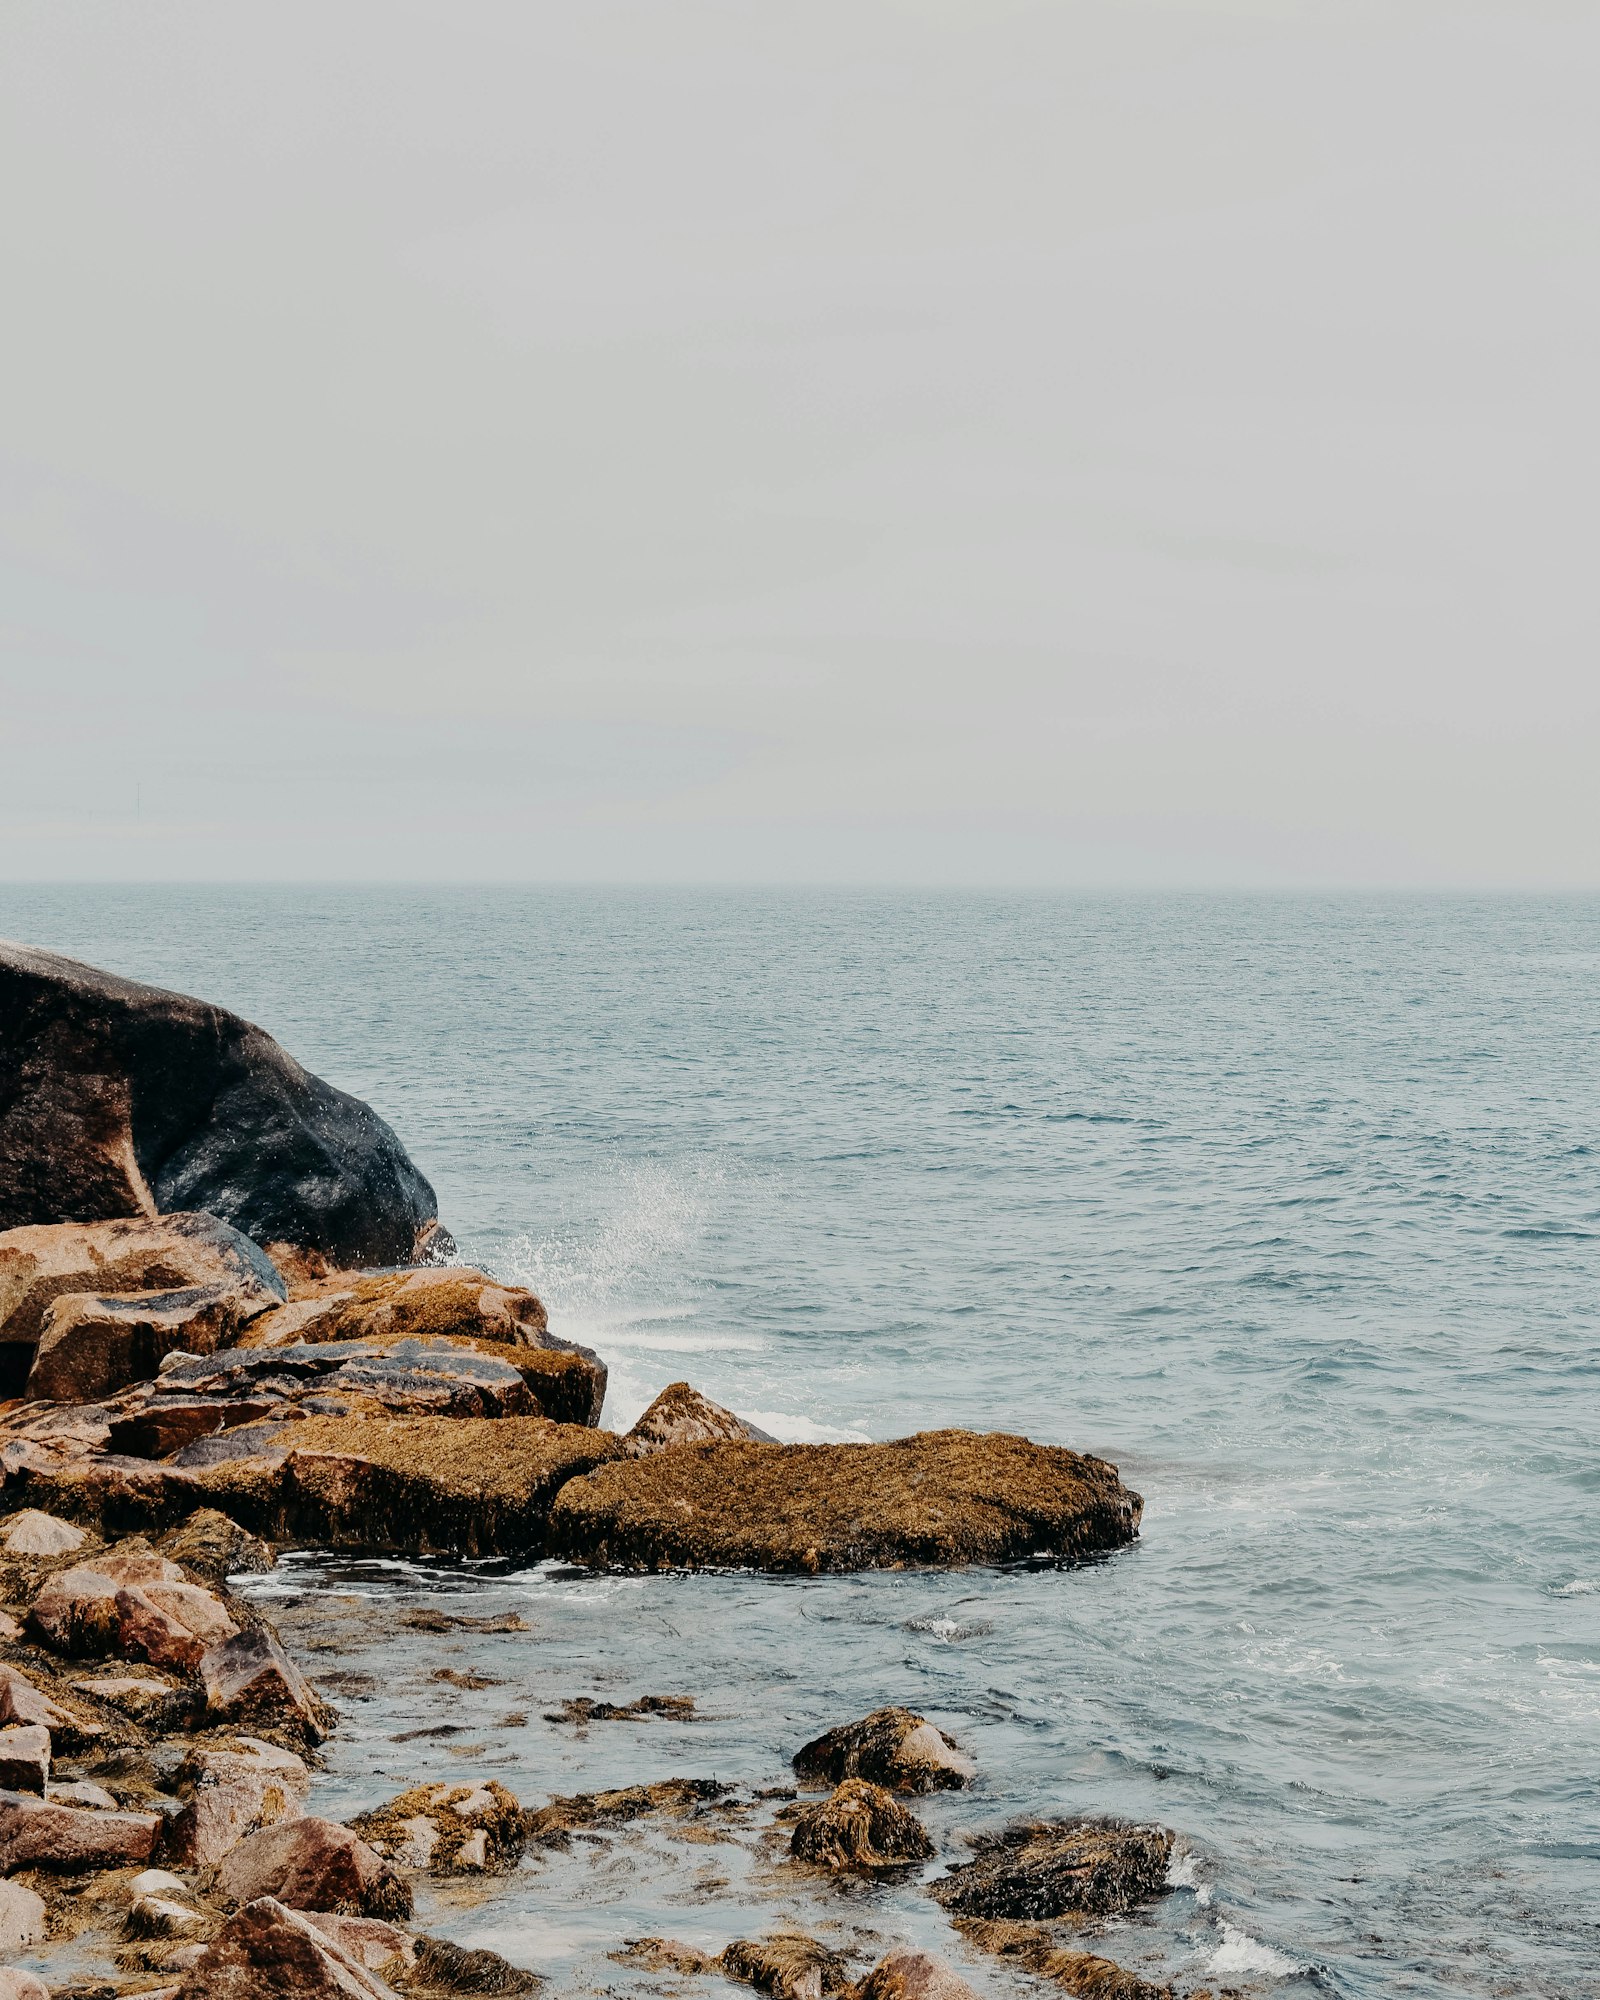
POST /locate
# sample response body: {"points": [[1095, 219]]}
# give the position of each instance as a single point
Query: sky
{"points": [[1077, 443]]}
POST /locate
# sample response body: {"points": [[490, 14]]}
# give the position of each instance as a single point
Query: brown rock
{"points": [[268, 1950], [21, 1701], [566, 1382], [913, 1975], [92, 1344], [37, 1834], [138, 1695], [31, 1533], [130, 1602], [664, 1954], [788, 1964], [448, 1829], [940, 1498], [681, 1415], [894, 1747], [446, 1968], [214, 1548], [50, 1259], [313, 1864], [672, 1798], [368, 1940], [1079, 1972], [25, 1758], [22, 1918], [466, 1485], [250, 1678], [1039, 1869], [121, 1100], [231, 1793], [16, 1984], [859, 1826]]}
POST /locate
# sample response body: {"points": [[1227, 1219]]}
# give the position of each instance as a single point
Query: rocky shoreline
{"points": [[229, 1328]]}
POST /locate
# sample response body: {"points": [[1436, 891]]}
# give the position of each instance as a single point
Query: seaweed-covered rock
{"points": [[788, 1964], [249, 1678], [940, 1498], [213, 1548], [313, 1864], [859, 1826], [1039, 1869], [1083, 1973], [913, 1975], [46, 1262], [672, 1798], [894, 1747], [446, 1969], [681, 1415], [448, 1829], [267, 1950], [118, 1099]]}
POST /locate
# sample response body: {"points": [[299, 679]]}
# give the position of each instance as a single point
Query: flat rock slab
{"points": [[936, 1500], [37, 1834]]}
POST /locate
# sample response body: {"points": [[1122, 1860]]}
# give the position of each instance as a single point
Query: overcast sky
{"points": [[1091, 442]]}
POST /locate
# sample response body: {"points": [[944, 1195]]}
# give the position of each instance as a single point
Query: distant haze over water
{"points": [[1291, 1206]]}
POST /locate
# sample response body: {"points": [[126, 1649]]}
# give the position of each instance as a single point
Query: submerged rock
{"points": [[940, 1498], [313, 1864], [1039, 1869], [440, 1967], [894, 1747], [913, 1975], [448, 1829], [118, 1099], [788, 1965], [1079, 1972], [859, 1826], [270, 1949], [673, 1798], [681, 1415]]}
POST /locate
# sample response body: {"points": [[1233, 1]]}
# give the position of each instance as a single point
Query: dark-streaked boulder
{"points": [[118, 1099], [894, 1747], [681, 1415], [938, 1499]]}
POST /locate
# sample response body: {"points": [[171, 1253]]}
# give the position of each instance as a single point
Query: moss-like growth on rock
{"points": [[448, 1829], [1039, 1869], [859, 1826], [789, 1965], [937, 1499], [1080, 1972], [894, 1747], [673, 1798]]}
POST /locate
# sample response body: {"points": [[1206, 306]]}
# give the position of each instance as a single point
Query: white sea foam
{"points": [[791, 1429], [1580, 1586], [1239, 1952]]}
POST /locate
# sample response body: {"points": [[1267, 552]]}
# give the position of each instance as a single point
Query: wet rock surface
{"points": [[118, 1099], [1059, 1868], [449, 1829], [913, 1975], [1079, 1972], [941, 1498], [894, 1747], [681, 1415]]}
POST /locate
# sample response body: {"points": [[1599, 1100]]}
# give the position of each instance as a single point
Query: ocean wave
{"points": [[1239, 1953]]}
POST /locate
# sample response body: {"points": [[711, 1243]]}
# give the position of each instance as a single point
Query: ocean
{"points": [[1289, 1206]]}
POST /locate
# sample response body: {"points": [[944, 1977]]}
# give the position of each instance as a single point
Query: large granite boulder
{"points": [[67, 1268], [938, 1499], [313, 1864], [118, 1099]]}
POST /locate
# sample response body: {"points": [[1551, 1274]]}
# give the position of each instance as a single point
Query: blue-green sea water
{"points": [[1291, 1207]]}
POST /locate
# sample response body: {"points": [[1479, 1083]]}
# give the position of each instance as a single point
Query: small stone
{"points": [[913, 1975], [893, 1747], [32, 1533], [165, 1917], [313, 1864], [860, 1826], [250, 1678], [81, 1792], [157, 1882], [25, 1758], [37, 1834], [22, 1918], [15, 1984]]}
